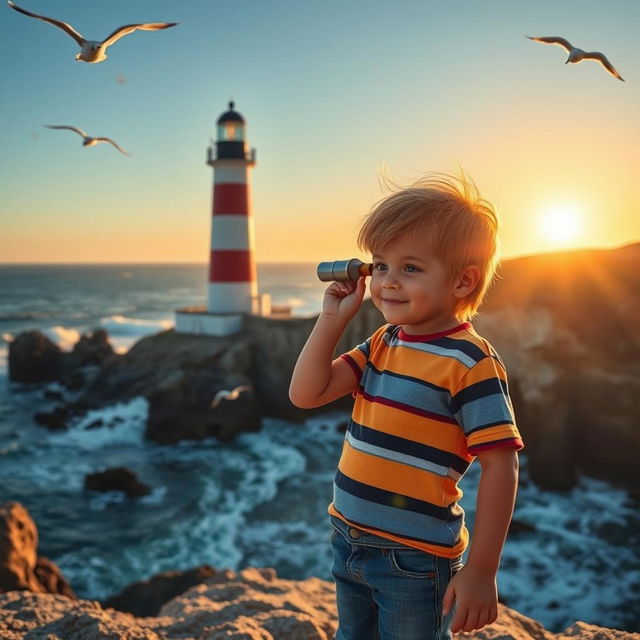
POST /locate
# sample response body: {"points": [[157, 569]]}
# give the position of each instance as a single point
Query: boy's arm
{"points": [[317, 378], [473, 588]]}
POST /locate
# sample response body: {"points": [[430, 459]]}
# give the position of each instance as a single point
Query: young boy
{"points": [[430, 396]]}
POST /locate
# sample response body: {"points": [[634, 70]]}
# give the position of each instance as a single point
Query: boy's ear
{"points": [[467, 281]]}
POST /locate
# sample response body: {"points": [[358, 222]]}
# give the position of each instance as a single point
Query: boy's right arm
{"points": [[317, 378]]}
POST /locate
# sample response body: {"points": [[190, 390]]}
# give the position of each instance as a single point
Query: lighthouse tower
{"points": [[232, 283]]}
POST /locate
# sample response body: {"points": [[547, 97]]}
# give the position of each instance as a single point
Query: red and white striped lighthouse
{"points": [[233, 286]]}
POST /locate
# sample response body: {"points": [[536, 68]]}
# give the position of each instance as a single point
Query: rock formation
{"points": [[20, 565], [116, 479]]}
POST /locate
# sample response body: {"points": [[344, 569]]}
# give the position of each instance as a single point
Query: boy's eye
{"points": [[379, 266], [411, 268]]}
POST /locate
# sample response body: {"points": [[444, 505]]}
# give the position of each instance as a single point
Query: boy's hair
{"points": [[463, 227]]}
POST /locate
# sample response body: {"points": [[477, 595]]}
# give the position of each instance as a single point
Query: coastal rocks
{"points": [[20, 565], [251, 605], [34, 358], [145, 598], [116, 479]]}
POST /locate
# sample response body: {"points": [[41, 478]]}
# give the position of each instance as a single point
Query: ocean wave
{"points": [[121, 424], [118, 325], [63, 337]]}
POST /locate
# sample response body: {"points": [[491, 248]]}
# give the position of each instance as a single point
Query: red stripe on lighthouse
{"points": [[231, 198], [227, 265]]}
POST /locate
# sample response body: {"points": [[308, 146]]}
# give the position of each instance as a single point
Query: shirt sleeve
{"points": [[358, 356], [483, 409]]}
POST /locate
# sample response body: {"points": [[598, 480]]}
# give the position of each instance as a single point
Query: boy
{"points": [[430, 395]]}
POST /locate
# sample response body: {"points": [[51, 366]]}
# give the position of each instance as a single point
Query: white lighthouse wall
{"points": [[232, 297], [231, 232], [230, 171]]}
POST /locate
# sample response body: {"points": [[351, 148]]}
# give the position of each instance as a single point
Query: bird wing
{"points": [[223, 393], [603, 60], [57, 23], [554, 40], [64, 126], [130, 28], [115, 144]]}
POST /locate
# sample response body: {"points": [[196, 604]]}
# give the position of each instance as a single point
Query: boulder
{"points": [[20, 565], [116, 479], [34, 358]]}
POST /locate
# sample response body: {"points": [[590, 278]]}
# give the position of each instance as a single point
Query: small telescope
{"points": [[343, 270]]}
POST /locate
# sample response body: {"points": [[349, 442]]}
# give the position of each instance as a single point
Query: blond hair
{"points": [[462, 227]]}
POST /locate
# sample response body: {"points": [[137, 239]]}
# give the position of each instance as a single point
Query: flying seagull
{"points": [[224, 394], [87, 141], [92, 50], [578, 55]]}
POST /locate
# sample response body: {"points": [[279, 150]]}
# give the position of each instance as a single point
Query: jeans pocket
{"points": [[412, 563]]}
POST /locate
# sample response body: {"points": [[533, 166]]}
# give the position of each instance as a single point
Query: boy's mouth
{"points": [[392, 301]]}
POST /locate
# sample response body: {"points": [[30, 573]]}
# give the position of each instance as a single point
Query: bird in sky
{"points": [[87, 141], [234, 394], [578, 55], [92, 50]]}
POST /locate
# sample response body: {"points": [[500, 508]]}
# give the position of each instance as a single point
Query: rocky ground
{"points": [[252, 605]]}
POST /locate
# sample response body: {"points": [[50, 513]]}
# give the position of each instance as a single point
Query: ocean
{"points": [[260, 500]]}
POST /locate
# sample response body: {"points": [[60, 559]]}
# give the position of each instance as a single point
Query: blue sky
{"points": [[333, 92]]}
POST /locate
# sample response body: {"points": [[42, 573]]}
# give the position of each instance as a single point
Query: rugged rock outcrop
{"points": [[116, 479], [20, 565], [35, 358], [252, 605], [565, 326]]}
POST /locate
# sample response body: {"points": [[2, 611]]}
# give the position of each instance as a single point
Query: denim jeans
{"points": [[387, 591]]}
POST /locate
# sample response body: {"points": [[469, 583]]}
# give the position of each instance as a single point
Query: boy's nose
{"points": [[390, 281]]}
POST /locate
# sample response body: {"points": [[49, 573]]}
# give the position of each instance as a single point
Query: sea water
{"points": [[260, 500]]}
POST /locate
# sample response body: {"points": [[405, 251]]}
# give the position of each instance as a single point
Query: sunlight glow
{"points": [[561, 225]]}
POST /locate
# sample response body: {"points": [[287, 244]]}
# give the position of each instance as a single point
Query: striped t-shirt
{"points": [[424, 407]]}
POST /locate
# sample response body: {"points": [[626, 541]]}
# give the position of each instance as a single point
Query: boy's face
{"points": [[410, 285]]}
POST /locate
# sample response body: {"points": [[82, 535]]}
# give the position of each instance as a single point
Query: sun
{"points": [[561, 225]]}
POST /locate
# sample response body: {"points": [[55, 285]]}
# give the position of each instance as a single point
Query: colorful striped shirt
{"points": [[424, 407]]}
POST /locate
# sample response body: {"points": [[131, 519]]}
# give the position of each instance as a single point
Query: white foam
{"points": [[118, 325], [128, 420]]}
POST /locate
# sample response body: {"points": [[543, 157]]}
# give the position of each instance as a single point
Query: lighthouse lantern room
{"points": [[232, 282]]}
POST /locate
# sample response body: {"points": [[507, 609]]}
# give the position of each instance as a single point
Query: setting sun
{"points": [[561, 225]]}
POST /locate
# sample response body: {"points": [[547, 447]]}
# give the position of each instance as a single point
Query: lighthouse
{"points": [[232, 289]]}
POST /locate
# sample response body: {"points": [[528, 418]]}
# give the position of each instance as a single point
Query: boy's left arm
{"points": [[474, 588]]}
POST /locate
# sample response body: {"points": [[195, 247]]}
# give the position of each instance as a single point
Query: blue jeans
{"points": [[387, 591]]}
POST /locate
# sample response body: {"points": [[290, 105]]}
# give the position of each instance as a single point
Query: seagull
{"points": [[224, 394], [92, 50], [578, 55], [87, 141]]}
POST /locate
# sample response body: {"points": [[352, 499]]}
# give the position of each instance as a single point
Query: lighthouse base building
{"points": [[233, 285]]}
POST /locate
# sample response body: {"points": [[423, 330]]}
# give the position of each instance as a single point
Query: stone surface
{"points": [[145, 598], [251, 605]]}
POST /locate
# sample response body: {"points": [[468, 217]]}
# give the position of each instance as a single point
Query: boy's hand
{"points": [[343, 299], [476, 596]]}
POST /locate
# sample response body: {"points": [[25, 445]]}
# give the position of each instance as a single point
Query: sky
{"points": [[335, 94]]}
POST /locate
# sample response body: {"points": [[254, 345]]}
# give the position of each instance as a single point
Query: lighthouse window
{"points": [[231, 131]]}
